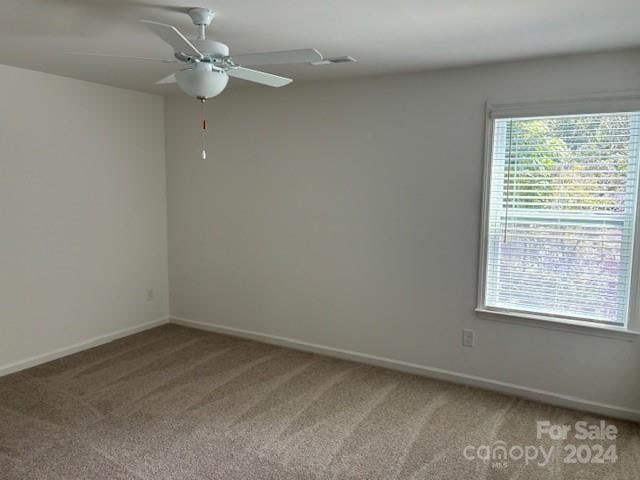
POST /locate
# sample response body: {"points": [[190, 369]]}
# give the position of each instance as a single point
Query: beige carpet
{"points": [[176, 403]]}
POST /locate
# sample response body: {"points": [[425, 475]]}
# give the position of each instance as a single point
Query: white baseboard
{"points": [[92, 342], [557, 399]]}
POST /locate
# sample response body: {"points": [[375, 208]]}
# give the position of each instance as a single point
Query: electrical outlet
{"points": [[150, 294], [467, 338]]}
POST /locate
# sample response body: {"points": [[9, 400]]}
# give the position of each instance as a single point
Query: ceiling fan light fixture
{"points": [[209, 63], [202, 81]]}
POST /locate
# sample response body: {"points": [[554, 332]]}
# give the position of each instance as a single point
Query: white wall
{"points": [[82, 212], [347, 214]]}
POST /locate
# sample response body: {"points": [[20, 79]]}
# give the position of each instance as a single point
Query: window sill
{"points": [[564, 325]]}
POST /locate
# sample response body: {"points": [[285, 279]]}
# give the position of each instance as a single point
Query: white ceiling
{"points": [[389, 36]]}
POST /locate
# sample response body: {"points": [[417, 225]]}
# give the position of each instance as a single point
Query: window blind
{"points": [[561, 218]]}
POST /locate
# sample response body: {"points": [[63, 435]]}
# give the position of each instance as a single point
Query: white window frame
{"points": [[620, 102]]}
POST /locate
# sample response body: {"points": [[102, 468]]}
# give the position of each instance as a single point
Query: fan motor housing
{"points": [[209, 48]]}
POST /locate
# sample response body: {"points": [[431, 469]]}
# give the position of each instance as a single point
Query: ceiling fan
{"points": [[209, 64]]}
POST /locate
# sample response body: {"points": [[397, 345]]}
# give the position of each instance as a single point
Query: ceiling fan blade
{"points": [[173, 37], [168, 79], [306, 55], [126, 57], [259, 77]]}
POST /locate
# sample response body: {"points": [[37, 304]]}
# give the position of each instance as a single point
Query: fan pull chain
{"points": [[204, 129]]}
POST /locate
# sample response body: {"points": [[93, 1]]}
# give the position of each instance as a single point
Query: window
{"points": [[559, 218]]}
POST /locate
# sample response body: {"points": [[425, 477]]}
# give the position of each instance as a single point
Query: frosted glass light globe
{"points": [[202, 81]]}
